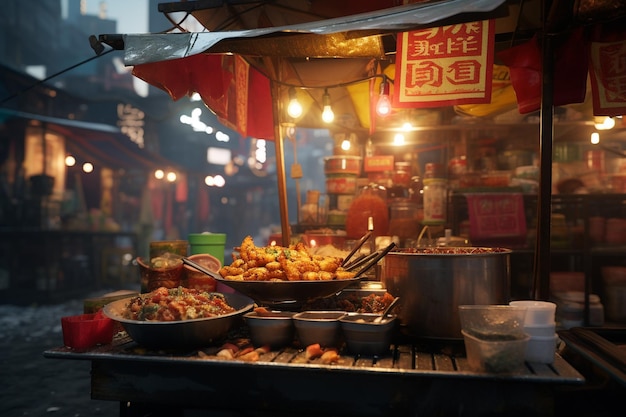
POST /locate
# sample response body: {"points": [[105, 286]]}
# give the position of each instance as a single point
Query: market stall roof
{"points": [[102, 142], [144, 48], [289, 44]]}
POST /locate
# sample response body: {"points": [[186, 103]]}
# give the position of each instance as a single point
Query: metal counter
{"points": [[410, 380]]}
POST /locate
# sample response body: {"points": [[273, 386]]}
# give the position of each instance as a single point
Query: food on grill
{"points": [[176, 304], [277, 263]]}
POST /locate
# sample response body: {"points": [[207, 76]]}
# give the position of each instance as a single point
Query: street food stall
{"points": [[420, 370]]}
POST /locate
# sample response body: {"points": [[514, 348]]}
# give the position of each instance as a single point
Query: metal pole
{"points": [[546, 135], [281, 176]]}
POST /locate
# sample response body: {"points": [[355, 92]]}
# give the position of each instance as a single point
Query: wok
{"points": [[285, 292], [180, 334]]}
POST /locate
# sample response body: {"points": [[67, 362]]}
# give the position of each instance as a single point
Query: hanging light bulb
{"points": [[604, 123], [327, 114], [294, 109], [595, 138], [383, 106], [345, 145]]}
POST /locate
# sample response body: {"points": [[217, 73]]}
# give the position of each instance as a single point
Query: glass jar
{"points": [[404, 220], [435, 201]]}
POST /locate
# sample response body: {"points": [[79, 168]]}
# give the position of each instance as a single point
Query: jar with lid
{"points": [[433, 170], [435, 201], [402, 174], [416, 191], [404, 220]]}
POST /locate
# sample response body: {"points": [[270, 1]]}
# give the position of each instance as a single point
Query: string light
{"points": [[383, 106], [327, 114], [70, 161], [595, 138], [294, 109], [604, 123]]}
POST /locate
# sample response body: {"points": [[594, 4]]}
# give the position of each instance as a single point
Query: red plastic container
{"points": [[87, 330]]}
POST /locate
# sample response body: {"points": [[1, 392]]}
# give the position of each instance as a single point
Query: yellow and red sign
{"points": [[378, 163], [445, 66]]}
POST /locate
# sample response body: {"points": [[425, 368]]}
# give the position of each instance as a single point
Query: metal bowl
{"points": [[180, 334], [275, 330], [285, 292], [366, 336]]}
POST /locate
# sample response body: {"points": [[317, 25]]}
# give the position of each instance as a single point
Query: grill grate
{"points": [[406, 359]]}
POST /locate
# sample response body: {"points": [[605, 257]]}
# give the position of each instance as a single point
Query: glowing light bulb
{"points": [[294, 109], [595, 138], [604, 123], [383, 106], [70, 161], [327, 114]]}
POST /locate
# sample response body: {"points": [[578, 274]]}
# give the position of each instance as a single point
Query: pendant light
{"points": [[294, 109], [383, 106], [327, 113]]}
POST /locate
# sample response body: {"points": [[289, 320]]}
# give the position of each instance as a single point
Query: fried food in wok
{"points": [[278, 263]]}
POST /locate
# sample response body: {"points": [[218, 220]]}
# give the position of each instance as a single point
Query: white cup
{"points": [[541, 349], [537, 312], [540, 330]]}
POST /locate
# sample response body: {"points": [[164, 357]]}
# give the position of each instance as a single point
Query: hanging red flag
{"points": [[238, 94], [445, 66]]}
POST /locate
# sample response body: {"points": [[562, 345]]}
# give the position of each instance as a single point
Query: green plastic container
{"points": [[211, 243]]}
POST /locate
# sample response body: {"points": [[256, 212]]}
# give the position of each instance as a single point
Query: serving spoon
{"points": [[391, 305]]}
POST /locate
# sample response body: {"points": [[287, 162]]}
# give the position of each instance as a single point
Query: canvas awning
{"points": [[96, 141], [288, 45]]}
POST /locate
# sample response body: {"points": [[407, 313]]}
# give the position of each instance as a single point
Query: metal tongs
{"points": [[356, 248], [364, 264]]}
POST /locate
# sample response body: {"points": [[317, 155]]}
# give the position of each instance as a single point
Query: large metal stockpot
{"points": [[433, 282]]}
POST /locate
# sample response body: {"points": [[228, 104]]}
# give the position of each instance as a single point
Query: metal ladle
{"points": [[387, 310]]}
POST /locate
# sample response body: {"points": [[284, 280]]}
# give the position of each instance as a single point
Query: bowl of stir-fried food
{"points": [[277, 274], [178, 317]]}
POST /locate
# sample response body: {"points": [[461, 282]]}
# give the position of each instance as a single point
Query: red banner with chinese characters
{"points": [[445, 66], [608, 77]]}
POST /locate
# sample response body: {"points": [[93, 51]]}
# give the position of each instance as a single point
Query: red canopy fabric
{"points": [[237, 93]]}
